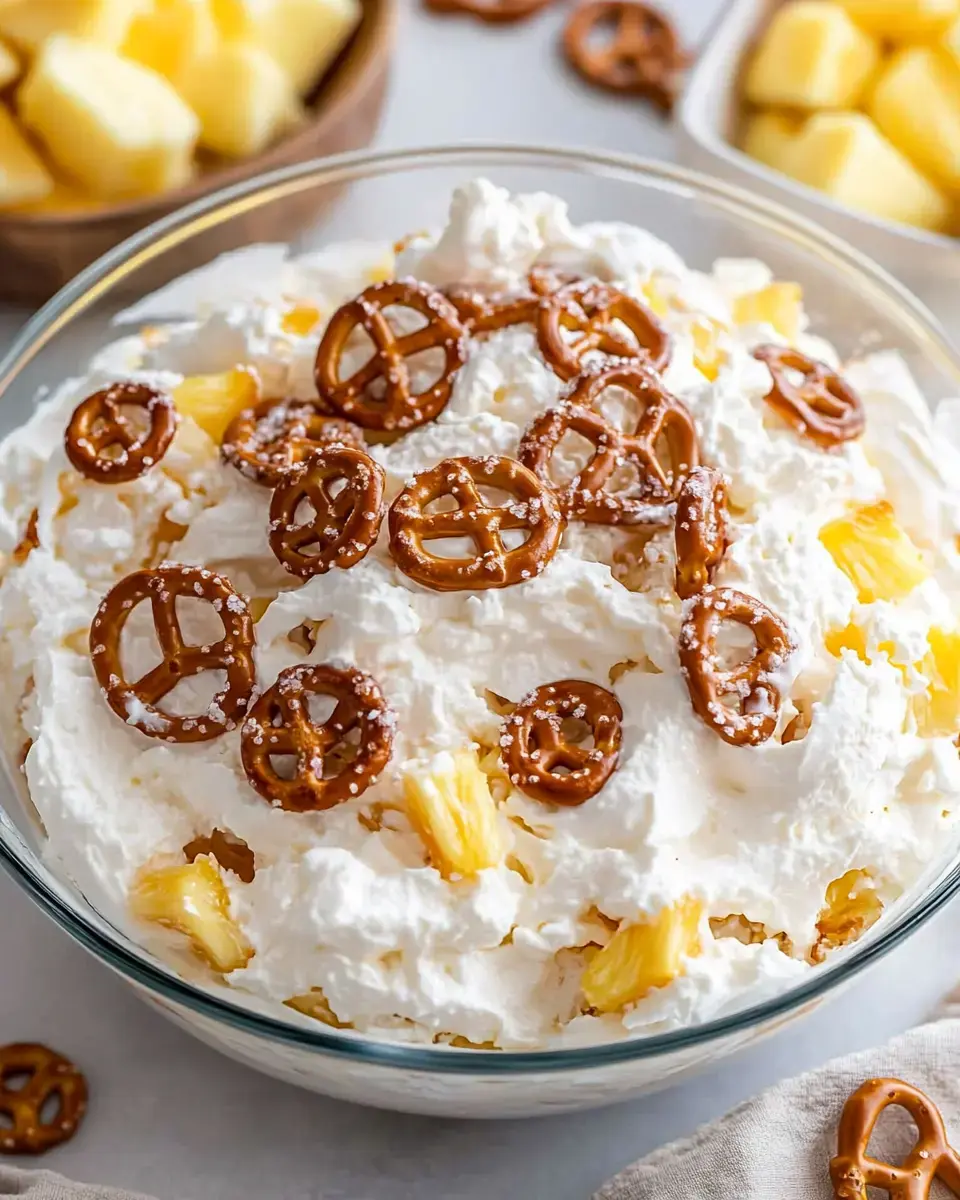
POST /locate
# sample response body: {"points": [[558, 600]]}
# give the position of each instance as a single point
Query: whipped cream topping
{"points": [[346, 900]]}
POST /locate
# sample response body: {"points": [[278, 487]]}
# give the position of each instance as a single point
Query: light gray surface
{"points": [[170, 1117]]}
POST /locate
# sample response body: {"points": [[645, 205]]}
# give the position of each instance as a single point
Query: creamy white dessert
{"points": [[442, 903]]}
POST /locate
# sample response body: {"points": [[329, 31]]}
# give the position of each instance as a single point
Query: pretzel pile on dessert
{"points": [[313, 456]]}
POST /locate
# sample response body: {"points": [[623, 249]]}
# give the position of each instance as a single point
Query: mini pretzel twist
{"points": [[105, 446], [492, 564], [702, 530], [137, 703], [753, 682], [664, 423], [399, 407], [324, 774], [265, 442], [499, 12], [822, 405], [932, 1157], [600, 318], [343, 526], [48, 1075], [534, 745], [482, 314]]}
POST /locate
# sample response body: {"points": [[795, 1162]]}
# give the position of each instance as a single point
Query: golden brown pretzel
{"points": [[343, 526], [533, 742], [496, 11], [492, 564], [230, 851], [398, 407], [48, 1075], [932, 1157], [591, 312], [482, 314], [752, 682], [822, 405], [106, 447], [280, 724], [702, 530], [664, 423], [266, 441], [136, 703]]}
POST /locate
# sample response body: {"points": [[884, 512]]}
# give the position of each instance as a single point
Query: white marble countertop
{"points": [[170, 1117]]}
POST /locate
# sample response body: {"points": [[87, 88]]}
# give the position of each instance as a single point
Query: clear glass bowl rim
{"points": [[862, 275]]}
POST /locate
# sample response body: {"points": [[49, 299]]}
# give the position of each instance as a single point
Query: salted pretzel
{"points": [[534, 744], [597, 317], [264, 442], [753, 682], [280, 724], [343, 525], [665, 423], [398, 406], [230, 851], [137, 702], [642, 54], [702, 530], [821, 405], [499, 12], [49, 1076], [852, 1171], [492, 564], [105, 445], [481, 313]]}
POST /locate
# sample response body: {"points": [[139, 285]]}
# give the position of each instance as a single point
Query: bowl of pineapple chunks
{"points": [[114, 113], [848, 110]]}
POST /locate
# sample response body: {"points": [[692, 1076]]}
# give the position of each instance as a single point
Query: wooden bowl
{"points": [[41, 252]]}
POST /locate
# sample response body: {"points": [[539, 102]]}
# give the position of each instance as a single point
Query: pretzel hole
{"points": [[51, 1109], [199, 621], [570, 456], [494, 497], [444, 503], [6, 1120], [620, 408], [140, 648], [894, 1136], [320, 708], [453, 548], [734, 645], [193, 695], [577, 732], [15, 1080]]}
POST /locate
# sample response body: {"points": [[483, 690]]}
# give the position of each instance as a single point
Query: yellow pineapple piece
{"points": [[315, 1004], [851, 906], [30, 23], [193, 900], [657, 300], [23, 177], [641, 957], [116, 128], [916, 105], [852, 637], [937, 710], [302, 36], [258, 605], [768, 136], [171, 36], [450, 805], [812, 55], [243, 98], [875, 553], [778, 304], [707, 355], [9, 66], [300, 320], [62, 198], [214, 400], [848, 158], [910, 20]]}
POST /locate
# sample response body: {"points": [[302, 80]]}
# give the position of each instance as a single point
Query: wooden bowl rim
{"points": [[352, 77]]}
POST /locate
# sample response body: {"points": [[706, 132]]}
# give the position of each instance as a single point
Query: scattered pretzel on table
{"points": [[48, 1075], [280, 724], [663, 419], [343, 526], [398, 407], [752, 682], [702, 530], [496, 11], [266, 441], [492, 564], [821, 405], [105, 445], [534, 745], [137, 702], [852, 1171]]}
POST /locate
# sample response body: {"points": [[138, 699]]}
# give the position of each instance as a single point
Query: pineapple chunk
{"points": [[450, 805], [778, 304], [903, 19], [193, 900], [302, 36], [639, 958], [170, 37], [9, 66], [243, 99], [852, 637], [852, 906], [916, 104], [875, 553], [113, 126], [657, 301], [846, 156], [30, 23], [300, 320], [23, 177], [62, 199], [811, 56], [768, 136], [937, 710], [707, 355], [214, 400]]}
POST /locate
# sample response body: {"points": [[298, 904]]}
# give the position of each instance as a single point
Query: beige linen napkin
{"points": [[45, 1185]]}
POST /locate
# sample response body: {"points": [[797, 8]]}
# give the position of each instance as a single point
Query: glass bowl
{"points": [[849, 300]]}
